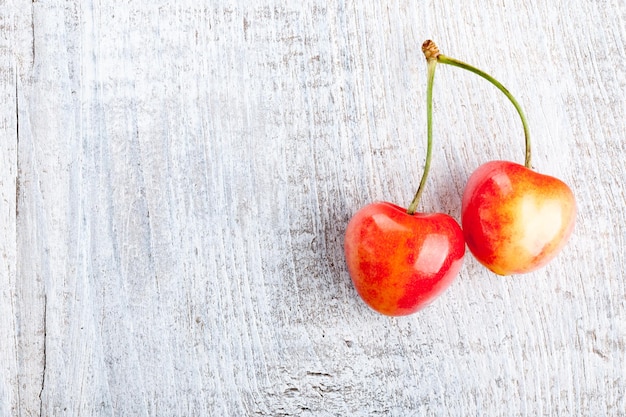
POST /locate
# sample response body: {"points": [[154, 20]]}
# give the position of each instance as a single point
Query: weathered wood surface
{"points": [[176, 177]]}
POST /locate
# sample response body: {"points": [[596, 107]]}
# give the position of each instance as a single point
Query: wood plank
{"points": [[176, 178], [8, 191]]}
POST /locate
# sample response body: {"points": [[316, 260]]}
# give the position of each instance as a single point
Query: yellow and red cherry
{"points": [[515, 220]]}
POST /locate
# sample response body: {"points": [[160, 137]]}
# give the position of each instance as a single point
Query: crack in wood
{"points": [[32, 28], [45, 339]]}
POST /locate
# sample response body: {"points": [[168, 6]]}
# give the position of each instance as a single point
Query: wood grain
{"points": [[176, 177]]}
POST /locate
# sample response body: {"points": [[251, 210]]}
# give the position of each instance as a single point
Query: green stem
{"points": [[454, 62], [432, 64]]}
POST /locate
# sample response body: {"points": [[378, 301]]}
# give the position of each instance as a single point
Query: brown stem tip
{"points": [[430, 50]]}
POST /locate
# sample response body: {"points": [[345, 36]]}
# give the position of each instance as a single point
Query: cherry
{"points": [[515, 220], [399, 260]]}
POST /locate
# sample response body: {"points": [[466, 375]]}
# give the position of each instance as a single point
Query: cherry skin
{"points": [[514, 219], [400, 262]]}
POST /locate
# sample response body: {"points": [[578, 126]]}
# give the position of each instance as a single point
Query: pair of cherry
{"points": [[514, 220]]}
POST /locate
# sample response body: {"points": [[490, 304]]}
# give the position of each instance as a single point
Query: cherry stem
{"points": [[433, 56], [432, 64], [455, 62]]}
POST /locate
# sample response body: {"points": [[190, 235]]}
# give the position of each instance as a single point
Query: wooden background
{"points": [[176, 178]]}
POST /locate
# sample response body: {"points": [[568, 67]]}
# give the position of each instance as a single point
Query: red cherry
{"points": [[400, 262], [514, 219]]}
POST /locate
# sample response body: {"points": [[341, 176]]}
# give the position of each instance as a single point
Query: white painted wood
{"points": [[176, 177]]}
